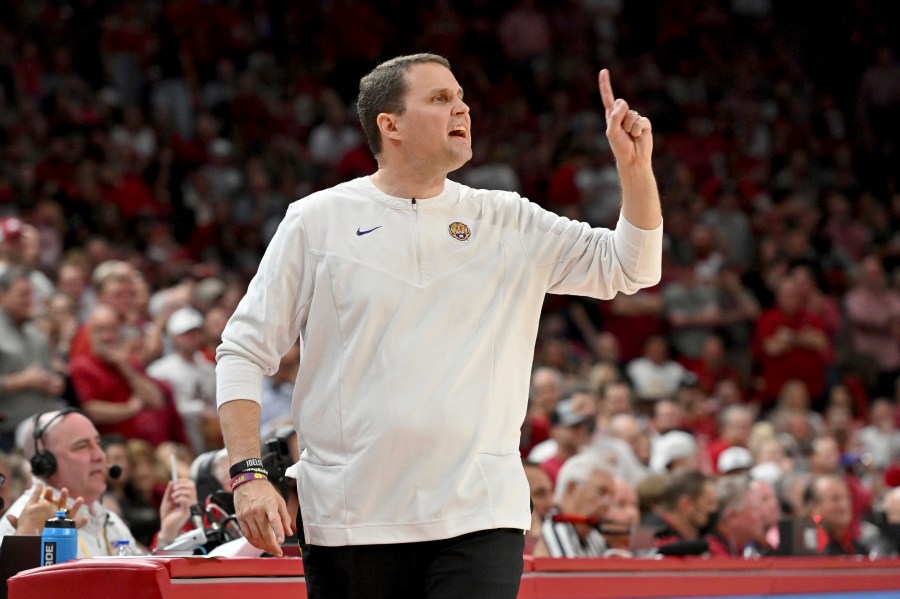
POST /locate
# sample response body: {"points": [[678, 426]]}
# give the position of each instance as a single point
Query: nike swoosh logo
{"points": [[358, 232]]}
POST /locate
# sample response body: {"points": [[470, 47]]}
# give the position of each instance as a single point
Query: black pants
{"points": [[480, 565]]}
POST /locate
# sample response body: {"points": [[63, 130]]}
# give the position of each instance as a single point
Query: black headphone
{"points": [[43, 462]]}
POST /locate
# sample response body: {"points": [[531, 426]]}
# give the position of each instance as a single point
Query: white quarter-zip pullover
{"points": [[418, 321]]}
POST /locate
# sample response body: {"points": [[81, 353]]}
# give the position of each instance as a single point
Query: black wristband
{"points": [[252, 463]]}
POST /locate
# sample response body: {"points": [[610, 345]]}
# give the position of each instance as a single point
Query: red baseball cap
{"points": [[10, 228], [892, 475]]}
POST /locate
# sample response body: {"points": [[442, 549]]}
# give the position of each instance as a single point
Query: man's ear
{"points": [[387, 124], [571, 487], [565, 500]]}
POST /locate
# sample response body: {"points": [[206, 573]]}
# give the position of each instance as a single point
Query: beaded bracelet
{"points": [[243, 465], [246, 477]]}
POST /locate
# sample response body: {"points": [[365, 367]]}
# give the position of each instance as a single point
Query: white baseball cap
{"points": [[734, 458], [669, 447], [183, 320]]}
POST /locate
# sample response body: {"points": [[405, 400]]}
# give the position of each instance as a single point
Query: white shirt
{"points": [[193, 382], [882, 445], [193, 388], [655, 381], [418, 322]]}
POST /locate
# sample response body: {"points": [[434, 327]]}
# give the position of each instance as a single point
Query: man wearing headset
{"points": [[70, 471]]}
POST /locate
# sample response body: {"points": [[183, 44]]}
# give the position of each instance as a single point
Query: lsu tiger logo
{"points": [[459, 231]]}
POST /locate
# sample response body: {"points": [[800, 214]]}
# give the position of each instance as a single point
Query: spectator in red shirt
{"points": [[114, 285], [790, 342], [712, 367], [735, 424], [115, 393], [816, 301], [829, 503]]}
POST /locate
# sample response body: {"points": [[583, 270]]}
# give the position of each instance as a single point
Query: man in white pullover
{"points": [[417, 301]]}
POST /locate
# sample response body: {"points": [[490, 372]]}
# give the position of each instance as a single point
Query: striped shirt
{"points": [[562, 540]]}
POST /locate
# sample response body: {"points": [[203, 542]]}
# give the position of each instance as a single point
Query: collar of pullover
{"points": [[445, 198]]}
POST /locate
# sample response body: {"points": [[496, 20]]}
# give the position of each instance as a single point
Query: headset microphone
{"points": [[43, 462]]}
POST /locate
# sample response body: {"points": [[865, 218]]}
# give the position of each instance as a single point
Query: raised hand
{"points": [[629, 134], [175, 508], [42, 506]]}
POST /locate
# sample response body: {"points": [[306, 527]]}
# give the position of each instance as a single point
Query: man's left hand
{"points": [[629, 134]]}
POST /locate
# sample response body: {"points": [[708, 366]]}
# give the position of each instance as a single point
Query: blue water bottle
{"points": [[59, 542]]}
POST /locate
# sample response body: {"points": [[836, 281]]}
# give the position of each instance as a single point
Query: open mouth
{"points": [[459, 132]]}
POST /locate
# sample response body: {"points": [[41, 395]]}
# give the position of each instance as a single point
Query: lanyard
{"points": [[83, 547]]}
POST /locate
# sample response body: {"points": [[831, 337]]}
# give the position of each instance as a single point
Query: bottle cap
{"points": [[60, 521]]}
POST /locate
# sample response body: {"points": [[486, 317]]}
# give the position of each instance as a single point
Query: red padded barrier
{"points": [[544, 578], [582, 578], [164, 578]]}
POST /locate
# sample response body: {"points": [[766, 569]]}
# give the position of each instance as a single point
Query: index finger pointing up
{"points": [[606, 92]]}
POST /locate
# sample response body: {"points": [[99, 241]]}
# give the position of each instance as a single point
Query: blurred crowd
{"points": [[149, 148]]}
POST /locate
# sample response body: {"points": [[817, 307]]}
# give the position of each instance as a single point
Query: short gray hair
{"points": [[25, 431], [578, 469], [11, 274], [733, 492]]}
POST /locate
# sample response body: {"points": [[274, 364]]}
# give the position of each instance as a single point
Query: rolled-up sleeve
{"points": [[639, 253]]}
